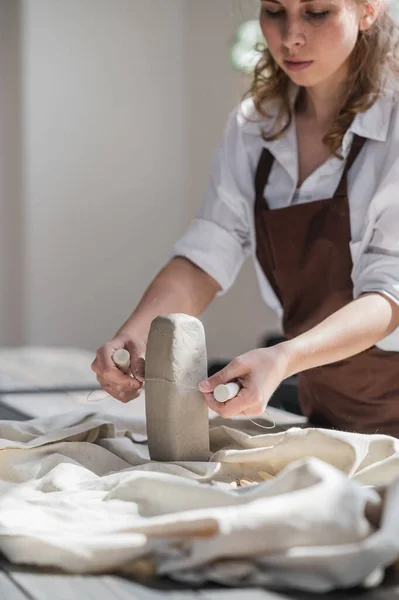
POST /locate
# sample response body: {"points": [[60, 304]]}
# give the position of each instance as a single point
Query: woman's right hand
{"points": [[112, 380]]}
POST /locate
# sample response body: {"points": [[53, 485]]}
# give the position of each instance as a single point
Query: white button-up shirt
{"points": [[223, 234]]}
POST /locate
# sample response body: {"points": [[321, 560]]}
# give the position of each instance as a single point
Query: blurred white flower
{"points": [[244, 52]]}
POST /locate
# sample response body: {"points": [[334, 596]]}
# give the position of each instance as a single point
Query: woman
{"points": [[306, 179]]}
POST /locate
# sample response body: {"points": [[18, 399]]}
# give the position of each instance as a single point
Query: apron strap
{"points": [[356, 147], [266, 162], [262, 174]]}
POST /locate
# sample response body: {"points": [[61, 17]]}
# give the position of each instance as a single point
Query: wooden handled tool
{"points": [[122, 360], [221, 393], [226, 391]]}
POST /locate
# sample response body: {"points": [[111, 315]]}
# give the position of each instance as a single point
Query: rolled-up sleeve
{"points": [[378, 266], [219, 239]]}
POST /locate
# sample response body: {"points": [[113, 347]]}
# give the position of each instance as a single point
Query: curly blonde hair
{"points": [[374, 60]]}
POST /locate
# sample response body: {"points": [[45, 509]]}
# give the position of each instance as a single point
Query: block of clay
{"points": [[177, 414]]}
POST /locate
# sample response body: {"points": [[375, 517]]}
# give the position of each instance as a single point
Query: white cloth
{"points": [[78, 492], [223, 234]]}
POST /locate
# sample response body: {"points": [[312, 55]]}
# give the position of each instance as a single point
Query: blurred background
{"points": [[110, 111]]}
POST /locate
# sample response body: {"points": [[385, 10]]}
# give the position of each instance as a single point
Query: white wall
{"points": [[123, 102], [12, 316], [105, 150]]}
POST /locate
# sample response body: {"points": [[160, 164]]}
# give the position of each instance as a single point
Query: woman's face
{"points": [[311, 40]]}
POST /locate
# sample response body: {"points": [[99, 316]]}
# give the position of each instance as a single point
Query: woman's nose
{"points": [[293, 34]]}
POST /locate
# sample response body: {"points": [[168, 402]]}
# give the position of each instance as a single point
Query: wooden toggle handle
{"points": [[122, 360]]}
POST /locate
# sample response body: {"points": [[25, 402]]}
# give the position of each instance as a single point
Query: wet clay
{"points": [[177, 416]]}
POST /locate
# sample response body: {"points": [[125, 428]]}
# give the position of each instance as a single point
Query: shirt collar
{"points": [[372, 124]]}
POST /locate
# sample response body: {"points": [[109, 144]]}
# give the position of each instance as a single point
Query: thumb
{"points": [[139, 371], [230, 372], [137, 360]]}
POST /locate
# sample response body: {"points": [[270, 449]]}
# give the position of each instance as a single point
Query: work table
{"points": [[25, 583]]}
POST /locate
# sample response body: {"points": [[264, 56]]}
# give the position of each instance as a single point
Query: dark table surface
{"points": [[25, 583]]}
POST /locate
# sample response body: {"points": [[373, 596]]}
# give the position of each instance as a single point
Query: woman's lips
{"points": [[297, 66]]}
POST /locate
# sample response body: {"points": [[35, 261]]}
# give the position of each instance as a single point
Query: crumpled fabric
{"points": [[301, 508]]}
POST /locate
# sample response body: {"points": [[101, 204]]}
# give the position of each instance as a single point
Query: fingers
{"points": [[234, 370], [119, 385], [121, 393], [136, 350], [221, 409], [137, 364], [105, 368], [247, 400], [237, 369], [259, 372], [110, 374]]}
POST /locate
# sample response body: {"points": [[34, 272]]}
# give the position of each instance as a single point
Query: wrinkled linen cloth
{"points": [[79, 492]]}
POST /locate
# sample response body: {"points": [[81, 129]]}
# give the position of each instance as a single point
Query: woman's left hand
{"points": [[259, 372]]}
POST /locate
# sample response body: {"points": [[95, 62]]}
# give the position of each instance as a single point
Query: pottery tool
{"points": [[222, 393], [226, 391], [121, 359]]}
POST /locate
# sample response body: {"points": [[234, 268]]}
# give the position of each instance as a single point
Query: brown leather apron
{"points": [[304, 252]]}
